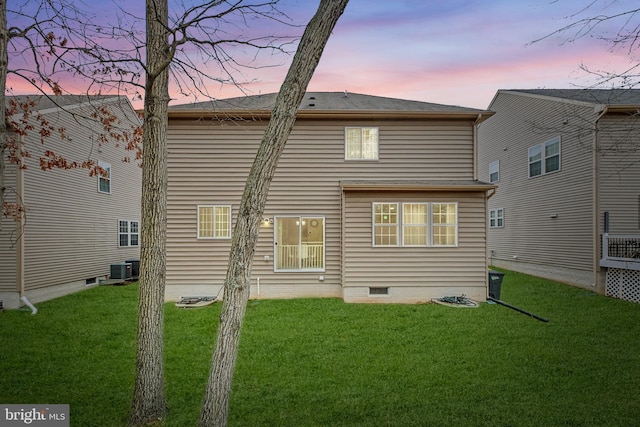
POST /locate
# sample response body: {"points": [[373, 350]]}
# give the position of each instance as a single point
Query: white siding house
{"points": [[75, 225], [567, 166], [374, 199]]}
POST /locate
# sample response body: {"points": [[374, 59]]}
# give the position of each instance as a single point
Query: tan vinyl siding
{"points": [[531, 234], [209, 162], [619, 166], [415, 274], [71, 232], [8, 235]]}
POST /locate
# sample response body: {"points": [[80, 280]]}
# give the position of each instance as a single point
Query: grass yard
{"points": [[320, 362]]}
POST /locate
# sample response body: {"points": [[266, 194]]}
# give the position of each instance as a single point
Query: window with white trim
{"points": [[544, 158], [494, 171], [385, 224], [418, 224], [496, 218], [214, 222], [128, 233], [361, 143], [444, 224], [414, 224], [299, 243], [104, 177]]}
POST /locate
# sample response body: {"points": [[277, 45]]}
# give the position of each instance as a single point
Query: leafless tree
{"points": [[245, 233], [617, 24]]}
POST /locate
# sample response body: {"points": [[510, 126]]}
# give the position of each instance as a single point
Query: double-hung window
{"points": [[104, 177], [214, 222], [496, 218], [128, 233], [415, 224], [445, 224], [385, 224], [494, 171], [361, 143], [544, 158]]}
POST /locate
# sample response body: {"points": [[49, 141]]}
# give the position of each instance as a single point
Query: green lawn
{"points": [[320, 362]]}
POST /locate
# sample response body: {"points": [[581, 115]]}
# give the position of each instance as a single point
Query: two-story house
{"points": [[567, 166], [74, 225], [374, 199]]}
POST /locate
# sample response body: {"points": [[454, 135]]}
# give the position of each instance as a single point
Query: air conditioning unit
{"points": [[121, 271], [135, 266]]}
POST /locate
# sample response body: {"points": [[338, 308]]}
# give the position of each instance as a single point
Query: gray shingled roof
{"points": [[324, 101], [44, 102], [593, 96]]}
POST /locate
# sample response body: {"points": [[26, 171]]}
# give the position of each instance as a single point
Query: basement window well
{"points": [[378, 291]]}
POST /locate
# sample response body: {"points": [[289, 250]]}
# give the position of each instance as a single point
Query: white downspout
{"points": [[20, 243], [475, 147], [34, 310], [596, 197]]}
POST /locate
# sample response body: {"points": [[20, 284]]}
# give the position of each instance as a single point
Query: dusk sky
{"points": [[455, 52], [451, 52]]}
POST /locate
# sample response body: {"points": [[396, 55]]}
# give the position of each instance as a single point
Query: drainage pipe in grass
{"points": [[34, 310], [497, 301]]}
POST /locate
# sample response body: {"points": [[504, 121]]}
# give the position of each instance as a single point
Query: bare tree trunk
{"points": [[149, 403], [245, 234], [4, 63]]}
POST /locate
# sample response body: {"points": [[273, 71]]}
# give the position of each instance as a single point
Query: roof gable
{"points": [[334, 103], [609, 97]]}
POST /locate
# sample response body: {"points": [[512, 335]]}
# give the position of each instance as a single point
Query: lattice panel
{"points": [[623, 284]]}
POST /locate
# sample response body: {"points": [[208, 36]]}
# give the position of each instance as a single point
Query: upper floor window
{"points": [[214, 222], [104, 177], [128, 233], [496, 218], [361, 143], [544, 158], [494, 171]]}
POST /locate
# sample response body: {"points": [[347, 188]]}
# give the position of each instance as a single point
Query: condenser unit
{"points": [[135, 266], [121, 271]]}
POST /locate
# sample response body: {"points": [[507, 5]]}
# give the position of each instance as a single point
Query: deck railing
{"points": [[621, 247], [308, 256]]}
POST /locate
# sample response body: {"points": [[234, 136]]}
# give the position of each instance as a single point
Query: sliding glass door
{"points": [[299, 243]]}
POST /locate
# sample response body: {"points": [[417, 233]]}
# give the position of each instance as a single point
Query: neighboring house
{"points": [[567, 166], [75, 225], [374, 199]]}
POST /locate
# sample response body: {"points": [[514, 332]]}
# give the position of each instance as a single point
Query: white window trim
{"points": [[457, 224], [213, 222], [429, 225], [499, 215], [426, 224], [106, 166], [544, 157], [397, 225], [129, 233], [324, 244], [494, 167], [361, 128]]}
